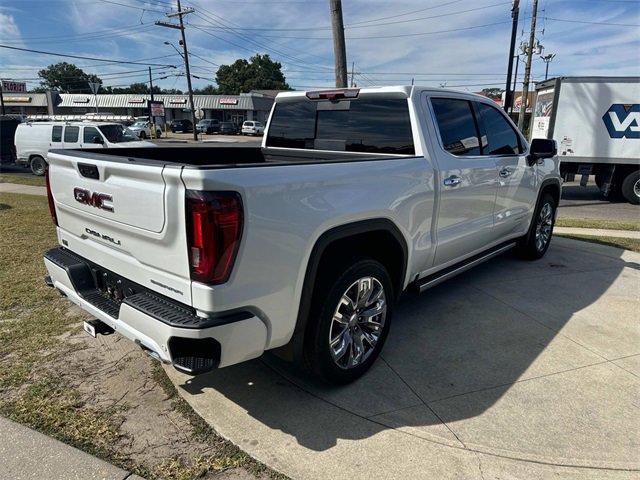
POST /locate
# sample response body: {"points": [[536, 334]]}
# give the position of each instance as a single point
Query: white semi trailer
{"points": [[596, 123]]}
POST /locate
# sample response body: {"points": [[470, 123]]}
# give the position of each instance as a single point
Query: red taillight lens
{"points": [[52, 205], [214, 227], [335, 94]]}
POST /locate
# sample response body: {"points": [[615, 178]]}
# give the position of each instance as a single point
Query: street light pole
{"points": [[547, 60]]}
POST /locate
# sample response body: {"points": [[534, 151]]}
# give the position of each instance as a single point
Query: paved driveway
{"points": [[512, 370]]}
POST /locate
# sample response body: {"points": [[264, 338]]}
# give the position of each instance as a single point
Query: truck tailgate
{"points": [[125, 216]]}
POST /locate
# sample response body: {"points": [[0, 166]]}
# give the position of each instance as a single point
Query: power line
{"points": [[375, 37], [593, 23], [82, 57], [406, 13]]}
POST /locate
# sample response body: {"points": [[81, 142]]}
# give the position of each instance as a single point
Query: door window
{"points": [[71, 134], [458, 130], [498, 136], [89, 134], [56, 133]]}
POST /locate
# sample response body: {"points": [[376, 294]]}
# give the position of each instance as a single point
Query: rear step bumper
{"points": [[166, 329]]}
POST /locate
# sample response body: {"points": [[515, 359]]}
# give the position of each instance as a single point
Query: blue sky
{"points": [[461, 44]]}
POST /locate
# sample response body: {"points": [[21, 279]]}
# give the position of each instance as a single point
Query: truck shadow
{"points": [[452, 353]]}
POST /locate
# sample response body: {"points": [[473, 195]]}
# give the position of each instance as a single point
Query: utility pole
{"points": [[2, 96], [151, 117], [527, 68], [547, 60], [353, 68], [508, 94], [181, 13], [339, 48]]}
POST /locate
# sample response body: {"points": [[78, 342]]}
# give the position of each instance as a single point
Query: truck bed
{"points": [[218, 157]]}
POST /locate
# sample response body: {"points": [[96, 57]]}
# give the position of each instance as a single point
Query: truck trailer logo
{"points": [[623, 120]]}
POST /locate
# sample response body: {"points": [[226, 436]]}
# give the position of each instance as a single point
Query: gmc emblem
{"points": [[95, 199]]}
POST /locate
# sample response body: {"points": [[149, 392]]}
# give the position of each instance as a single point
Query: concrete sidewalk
{"points": [[513, 370], [27, 454], [597, 232], [6, 187]]}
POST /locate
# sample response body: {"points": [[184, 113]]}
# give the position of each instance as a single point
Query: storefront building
{"points": [[232, 108]]}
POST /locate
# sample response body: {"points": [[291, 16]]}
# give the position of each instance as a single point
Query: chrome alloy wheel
{"points": [[357, 322], [544, 226], [636, 188]]}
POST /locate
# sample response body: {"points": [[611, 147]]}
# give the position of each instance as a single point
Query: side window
{"points": [[89, 134], [457, 126], [498, 136], [56, 133], [71, 134]]}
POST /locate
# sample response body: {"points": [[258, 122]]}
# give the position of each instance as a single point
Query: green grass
{"points": [[632, 244], [22, 180], [35, 322], [606, 224]]}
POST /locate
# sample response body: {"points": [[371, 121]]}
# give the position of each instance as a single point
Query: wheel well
{"points": [[381, 245], [553, 189], [376, 238], [31, 157]]}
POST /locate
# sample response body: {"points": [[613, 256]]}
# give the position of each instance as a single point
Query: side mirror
{"points": [[97, 140], [542, 148]]}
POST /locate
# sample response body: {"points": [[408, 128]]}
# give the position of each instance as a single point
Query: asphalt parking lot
{"points": [[513, 370]]}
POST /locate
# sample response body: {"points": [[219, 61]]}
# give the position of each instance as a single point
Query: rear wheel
{"points": [[631, 187], [143, 135], [38, 165], [349, 322], [536, 242]]}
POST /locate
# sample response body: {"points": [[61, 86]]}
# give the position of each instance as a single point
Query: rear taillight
{"points": [[214, 227], [52, 205]]}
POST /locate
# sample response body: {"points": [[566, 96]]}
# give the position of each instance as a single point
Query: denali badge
{"points": [[102, 236], [95, 199]]}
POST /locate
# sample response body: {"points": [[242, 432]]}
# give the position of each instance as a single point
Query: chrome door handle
{"points": [[505, 172], [452, 181]]}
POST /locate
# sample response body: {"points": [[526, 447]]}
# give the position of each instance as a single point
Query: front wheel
{"points": [[536, 242], [38, 166], [143, 135], [349, 322]]}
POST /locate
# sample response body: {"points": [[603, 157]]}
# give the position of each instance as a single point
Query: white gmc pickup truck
{"points": [[206, 257]]}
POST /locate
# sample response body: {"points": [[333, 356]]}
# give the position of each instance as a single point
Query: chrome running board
{"points": [[450, 272]]}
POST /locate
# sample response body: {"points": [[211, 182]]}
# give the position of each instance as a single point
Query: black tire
{"points": [[530, 247], [158, 133], [318, 355], [38, 165], [631, 188], [143, 135]]}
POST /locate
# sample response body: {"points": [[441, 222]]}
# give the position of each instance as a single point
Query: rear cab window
{"points": [[369, 124]]}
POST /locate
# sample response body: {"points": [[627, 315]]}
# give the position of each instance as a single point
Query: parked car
{"points": [[34, 140], [252, 128], [228, 128], [183, 125], [210, 256], [208, 125], [142, 128], [8, 126]]}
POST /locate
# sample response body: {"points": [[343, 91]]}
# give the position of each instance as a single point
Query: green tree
{"points": [[242, 76], [207, 90], [66, 77]]}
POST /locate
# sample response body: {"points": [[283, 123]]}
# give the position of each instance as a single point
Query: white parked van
{"points": [[34, 140]]}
